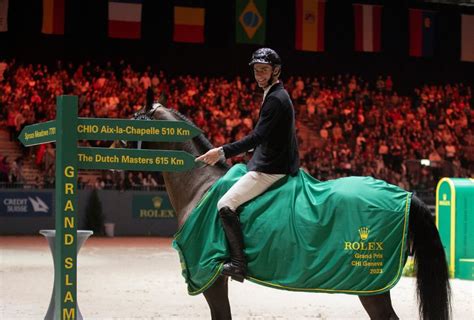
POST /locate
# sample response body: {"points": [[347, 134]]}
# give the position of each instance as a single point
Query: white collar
{"points": [[265, 92]]}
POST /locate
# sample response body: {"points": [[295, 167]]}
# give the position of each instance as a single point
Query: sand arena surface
{"points": [[140, 278]]}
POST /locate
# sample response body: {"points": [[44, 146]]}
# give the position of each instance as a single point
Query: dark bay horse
{"points": [[185, 189]]}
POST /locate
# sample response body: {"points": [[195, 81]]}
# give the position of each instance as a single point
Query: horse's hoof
{"points": [[235, 273]]}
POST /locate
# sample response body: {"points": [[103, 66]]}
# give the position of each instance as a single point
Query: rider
{"points": [[275, 154]]}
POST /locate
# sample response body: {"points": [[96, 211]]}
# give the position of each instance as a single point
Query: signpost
{"points": [[66, 130], [113, 129], [132, 159]]}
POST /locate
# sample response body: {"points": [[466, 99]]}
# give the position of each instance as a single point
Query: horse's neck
{"points": [[185, 189]]}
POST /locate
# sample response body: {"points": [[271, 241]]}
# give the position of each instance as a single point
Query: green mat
{"points": [[340, 236]]}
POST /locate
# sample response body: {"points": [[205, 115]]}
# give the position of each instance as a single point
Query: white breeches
{"points": [[252, 184]]}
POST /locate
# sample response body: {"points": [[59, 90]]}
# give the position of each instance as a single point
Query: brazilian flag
{"points": [[250, 21]]}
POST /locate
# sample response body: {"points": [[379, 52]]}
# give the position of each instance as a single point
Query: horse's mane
{"points": [[201, 141]]}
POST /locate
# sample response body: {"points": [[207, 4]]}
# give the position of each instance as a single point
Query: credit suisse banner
{"points": [[26, 204]]}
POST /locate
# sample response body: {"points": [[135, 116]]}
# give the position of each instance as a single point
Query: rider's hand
{"points": [[210, 157]]}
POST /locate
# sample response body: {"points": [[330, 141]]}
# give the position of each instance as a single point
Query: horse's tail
{"points": [[433, 290]]}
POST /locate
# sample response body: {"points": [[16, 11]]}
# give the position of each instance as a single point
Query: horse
{"points": [[433, 289]]}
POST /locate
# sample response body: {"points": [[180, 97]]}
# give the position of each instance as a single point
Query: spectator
{"points": [[378, 126]]}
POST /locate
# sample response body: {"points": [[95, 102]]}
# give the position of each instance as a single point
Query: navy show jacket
{"points": [[273, 138]]}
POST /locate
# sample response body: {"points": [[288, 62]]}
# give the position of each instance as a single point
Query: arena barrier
{"points": [[455, 222], [65, 131]]}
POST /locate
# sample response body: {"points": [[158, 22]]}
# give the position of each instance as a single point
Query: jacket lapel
{"points": [[275, 87]]}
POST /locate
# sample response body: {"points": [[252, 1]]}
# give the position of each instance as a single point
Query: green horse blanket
{"points": [[339, 236]]}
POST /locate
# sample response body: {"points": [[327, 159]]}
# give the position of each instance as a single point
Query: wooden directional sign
{"points": [[65, 131], [38, 133], [113, 129], [135, 130], [133, 159]]}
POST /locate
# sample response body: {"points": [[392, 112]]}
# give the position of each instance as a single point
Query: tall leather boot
{"points": [[237, 266]]}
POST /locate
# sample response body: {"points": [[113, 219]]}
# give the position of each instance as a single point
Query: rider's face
{"points": [[263, 73]]}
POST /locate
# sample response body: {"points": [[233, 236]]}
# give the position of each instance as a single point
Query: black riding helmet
{"points": [[265, 56]]}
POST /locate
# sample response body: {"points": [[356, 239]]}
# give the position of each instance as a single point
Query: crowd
{"points": [[347, 125]]}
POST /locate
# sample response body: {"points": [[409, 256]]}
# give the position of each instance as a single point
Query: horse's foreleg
{"points": [[218, 299], [379, 307]]}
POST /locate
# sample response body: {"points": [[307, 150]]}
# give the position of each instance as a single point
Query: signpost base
{"points": [[50, 235]]}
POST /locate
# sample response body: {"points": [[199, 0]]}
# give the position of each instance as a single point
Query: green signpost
{"points": [[38, 133], [66, 208], [66, 130], [132, 159], [113, 129]]}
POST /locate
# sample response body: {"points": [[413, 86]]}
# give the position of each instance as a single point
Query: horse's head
{"points": [[157, 111]]}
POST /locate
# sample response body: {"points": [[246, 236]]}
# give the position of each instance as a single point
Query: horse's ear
{"points": [[162, 99], [150, 98]]}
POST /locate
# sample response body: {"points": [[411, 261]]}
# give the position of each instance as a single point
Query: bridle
{"points": [[146, 114], [143, 114]]}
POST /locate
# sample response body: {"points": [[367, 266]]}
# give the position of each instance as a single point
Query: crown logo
{"points": [[157, 202], [364, 233]]}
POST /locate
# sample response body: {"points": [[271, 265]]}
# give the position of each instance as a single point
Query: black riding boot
{"points": [[237, 267]]}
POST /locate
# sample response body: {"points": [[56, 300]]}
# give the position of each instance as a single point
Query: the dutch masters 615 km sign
{"points": [[65, 131], [132, 159]]}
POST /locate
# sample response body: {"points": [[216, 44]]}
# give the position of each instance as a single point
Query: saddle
{"points": [[346, 235]]}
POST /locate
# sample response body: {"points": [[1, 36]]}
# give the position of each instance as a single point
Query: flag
{"points": [[467, 36], [53, 17], [3, 15], [367, 27], [250, 21], [188, 24], [422, 24], [310, 25], [125, 19]]}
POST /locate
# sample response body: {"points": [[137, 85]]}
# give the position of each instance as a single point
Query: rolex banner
{"points": [[152, 206], [339, 236], [250, 21]]}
